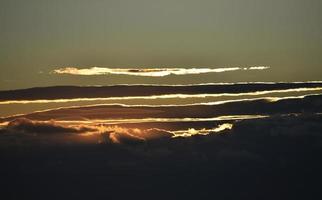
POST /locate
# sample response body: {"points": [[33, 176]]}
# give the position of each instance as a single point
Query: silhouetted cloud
{"points": [[252, 108], [122, 135], [90, 93], [23, 125], [281, 151]]}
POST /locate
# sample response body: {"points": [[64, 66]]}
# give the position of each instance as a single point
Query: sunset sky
{"points": [[160, 99], [38, 37]]}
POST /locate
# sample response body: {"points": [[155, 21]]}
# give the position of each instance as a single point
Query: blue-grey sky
{"points": [[38, 36]]}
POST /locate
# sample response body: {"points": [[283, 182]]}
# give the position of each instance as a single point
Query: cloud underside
{"points": [[263, 106], [103, 133], [75, 93], [270, 150], [27, 126], [279, 125], [67, 120], [152, 72]]}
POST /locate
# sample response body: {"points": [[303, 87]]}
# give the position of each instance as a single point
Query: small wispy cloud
{"points": [[191, 131], [152, 72], [258, 68]]}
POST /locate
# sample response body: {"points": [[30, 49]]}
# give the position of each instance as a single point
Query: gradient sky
{"points": [[38, 36]]}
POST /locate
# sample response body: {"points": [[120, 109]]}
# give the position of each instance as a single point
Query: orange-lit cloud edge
{"points": [[167, 96], [151, 72], [107, 132], [116, 132], [269, 99]]}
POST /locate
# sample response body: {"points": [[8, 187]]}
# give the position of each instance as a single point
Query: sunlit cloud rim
{"points": [[192, 132], [269, 99], [149, 119], [151, 72], [166, 96]]}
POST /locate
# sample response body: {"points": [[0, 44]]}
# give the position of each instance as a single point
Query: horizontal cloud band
{"points": [[74, 92], [264, 106], [152, 72], [165, 96]]}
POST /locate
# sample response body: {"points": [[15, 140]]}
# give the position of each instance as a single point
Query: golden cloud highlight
{"points": [[191, 132], [152, 72], [165, 96], [121, 135]]}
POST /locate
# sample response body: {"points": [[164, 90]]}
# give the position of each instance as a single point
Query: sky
{"points": [[38, 37], [213, 98]]}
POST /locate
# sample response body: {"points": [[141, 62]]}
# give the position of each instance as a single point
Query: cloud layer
{"points": [[264, 157], [152, 72], [262, 106], [24, 125], [138, 91]]}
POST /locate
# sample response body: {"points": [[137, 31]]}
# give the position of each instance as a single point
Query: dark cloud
{"points": [[123, 135], [266, 157], [265, 106], [69, 92], [23, 125]]}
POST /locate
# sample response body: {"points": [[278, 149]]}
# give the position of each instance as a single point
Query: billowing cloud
{"points": [[152, 72], [270, 150], [23, 125], [104, 133], [123, 135]]}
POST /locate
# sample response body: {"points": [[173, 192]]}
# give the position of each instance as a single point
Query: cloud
{"points": [[192, 132], [254, 154], [258, 68], [152, 72], [23, 125], [246, 108], [165, 96], [91, 93], [123, 135], [104, 133]]}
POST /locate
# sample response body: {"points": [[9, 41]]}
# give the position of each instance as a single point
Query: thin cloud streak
{"points": [[265, 106], [151, 72], [72, 92], [149, 120], [191, 131], [166, 96]]}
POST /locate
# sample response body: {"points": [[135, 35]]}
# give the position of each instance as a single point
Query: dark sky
{"points": [[37, 36]]}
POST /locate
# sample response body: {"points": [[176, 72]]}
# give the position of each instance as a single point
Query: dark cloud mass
{"points": [[265, 106], [69, 92], [23, 125], [256, 156]]}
